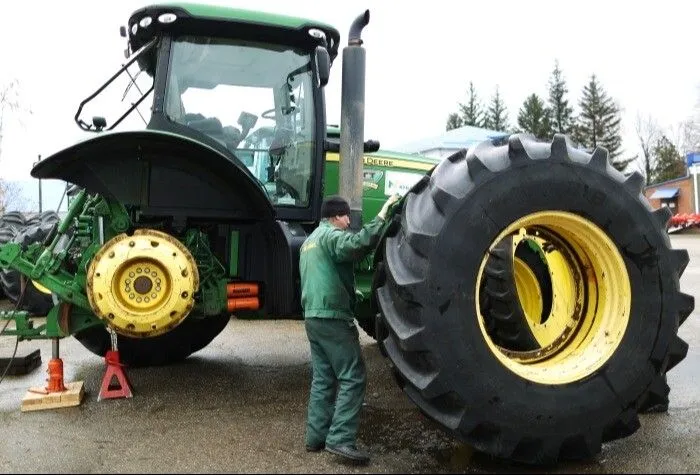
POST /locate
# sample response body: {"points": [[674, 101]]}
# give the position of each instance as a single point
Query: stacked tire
{"points": [[10, 224], [18, 228]]}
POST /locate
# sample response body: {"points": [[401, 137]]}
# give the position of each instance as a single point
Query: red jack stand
{"points": [[114, 370]]}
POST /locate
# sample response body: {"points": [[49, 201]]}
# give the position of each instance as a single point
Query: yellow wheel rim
{"points": [[142, 285], [591, 299], [529, 292], [41, 288]]}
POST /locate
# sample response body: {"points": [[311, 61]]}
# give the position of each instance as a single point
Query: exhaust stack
{"points": [[352, 120]]}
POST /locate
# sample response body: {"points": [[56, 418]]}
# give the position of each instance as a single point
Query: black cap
{"points": [[335, 206]]}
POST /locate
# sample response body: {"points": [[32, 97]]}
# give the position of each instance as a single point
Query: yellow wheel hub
{"points": [[142, 285], [591, 299]]}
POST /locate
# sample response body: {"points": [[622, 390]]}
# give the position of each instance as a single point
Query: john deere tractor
{"points": [[525, 294]]}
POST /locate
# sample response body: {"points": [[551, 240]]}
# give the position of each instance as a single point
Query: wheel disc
{"points": [[591, 300], [142, 285]]}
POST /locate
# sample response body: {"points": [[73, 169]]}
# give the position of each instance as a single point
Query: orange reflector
{"points": [[241, 289], [243, 303]]}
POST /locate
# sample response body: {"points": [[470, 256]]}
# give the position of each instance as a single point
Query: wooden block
{"points": [[37, 399]]}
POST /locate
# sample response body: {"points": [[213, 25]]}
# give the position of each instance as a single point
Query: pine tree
{"points": [[669, 164], [535, 118], [496, 114], [562, 118], [454, 121], [598, 125], [471, 112]]}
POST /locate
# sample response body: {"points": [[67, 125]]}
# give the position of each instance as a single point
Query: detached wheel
{"points": [[190, 336], [612, 330], [36, 300]]}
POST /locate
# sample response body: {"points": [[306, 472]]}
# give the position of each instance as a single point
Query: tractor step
{"points": [[21, 365]]}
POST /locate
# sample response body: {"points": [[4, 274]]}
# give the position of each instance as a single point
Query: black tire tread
{"points": [[417, 366]]}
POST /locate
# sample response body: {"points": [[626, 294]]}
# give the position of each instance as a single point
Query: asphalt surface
{"points": [[239, 405]]}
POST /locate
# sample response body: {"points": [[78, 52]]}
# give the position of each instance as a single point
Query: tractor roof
{"points": [[193, 18]]}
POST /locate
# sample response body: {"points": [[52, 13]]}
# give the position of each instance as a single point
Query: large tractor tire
{"points": [[190, 336], [14, 219], [612, 332], [35, 300], [10, 224]]}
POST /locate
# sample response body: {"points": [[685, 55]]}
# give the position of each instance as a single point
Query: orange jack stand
{"points": [[114, 370]]}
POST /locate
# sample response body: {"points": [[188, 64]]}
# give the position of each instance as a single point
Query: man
{"points": [[326, 266]]}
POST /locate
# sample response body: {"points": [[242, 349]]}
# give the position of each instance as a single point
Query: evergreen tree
{"points": [[454, 121], [496, 114], [535, 118], [598, 124], [471, 112], [562, 118], [669, 164]]}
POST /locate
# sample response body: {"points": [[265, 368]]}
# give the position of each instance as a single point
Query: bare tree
{"points": [[648, 133], [11, 198], [9, 102], [10, 194]]}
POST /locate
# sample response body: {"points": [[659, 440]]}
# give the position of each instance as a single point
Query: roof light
{"points": [[167, 18], [316, 33], [145, 21]]}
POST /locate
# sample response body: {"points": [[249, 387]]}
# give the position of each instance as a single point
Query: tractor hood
{"points": [[162, 174]]}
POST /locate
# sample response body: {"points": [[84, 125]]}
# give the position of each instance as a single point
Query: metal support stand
{"points": [[114, 370]]}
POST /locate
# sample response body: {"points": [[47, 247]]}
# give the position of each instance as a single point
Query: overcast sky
{"points": [[421, 57]]}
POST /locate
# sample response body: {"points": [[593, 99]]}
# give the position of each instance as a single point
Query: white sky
{"points": [[420, 60]]}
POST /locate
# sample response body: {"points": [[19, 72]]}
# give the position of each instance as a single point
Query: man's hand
{"points": [[392, 199]]}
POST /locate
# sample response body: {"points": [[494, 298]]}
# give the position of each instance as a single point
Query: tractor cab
{"points": [[248, 85]]}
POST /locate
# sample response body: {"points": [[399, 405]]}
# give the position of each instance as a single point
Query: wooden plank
{"points": [[36, 400]]}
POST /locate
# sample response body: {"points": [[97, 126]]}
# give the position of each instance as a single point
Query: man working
{"points": [[326, 266]]}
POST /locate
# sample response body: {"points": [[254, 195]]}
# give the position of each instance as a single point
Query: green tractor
{"points": [[525, 294]]}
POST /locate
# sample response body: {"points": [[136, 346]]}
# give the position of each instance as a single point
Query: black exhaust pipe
{"points": [[352, 120]]}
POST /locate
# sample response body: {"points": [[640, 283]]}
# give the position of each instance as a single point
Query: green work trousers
{"points": [[338, 382]]}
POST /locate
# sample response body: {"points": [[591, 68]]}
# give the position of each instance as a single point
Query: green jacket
{"points": [[326, 266]]}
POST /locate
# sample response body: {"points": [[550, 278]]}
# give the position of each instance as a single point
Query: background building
{"points": [[680, 194], [445, 144]]}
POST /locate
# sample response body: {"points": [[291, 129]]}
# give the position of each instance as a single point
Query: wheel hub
{"points": [[142, 285]]}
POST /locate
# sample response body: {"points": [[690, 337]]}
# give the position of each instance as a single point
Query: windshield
{"points": [[256, 100]]}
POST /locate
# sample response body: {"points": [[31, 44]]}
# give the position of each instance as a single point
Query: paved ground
{"points": [[239, 406]]}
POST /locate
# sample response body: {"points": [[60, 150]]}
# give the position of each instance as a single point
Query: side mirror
{"points": [[323, 65]]}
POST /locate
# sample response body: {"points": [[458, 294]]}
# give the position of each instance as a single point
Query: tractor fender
{"points": [[162, 173]]}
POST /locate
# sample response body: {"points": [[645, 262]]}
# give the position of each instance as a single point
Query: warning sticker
{"points": [[400, 182]]}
